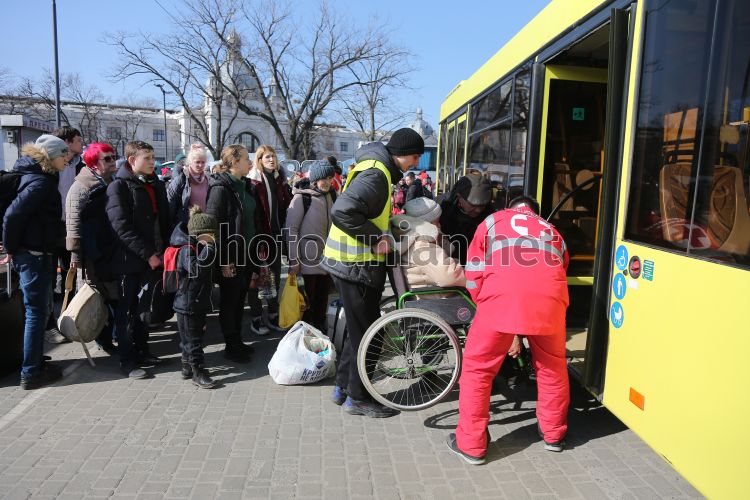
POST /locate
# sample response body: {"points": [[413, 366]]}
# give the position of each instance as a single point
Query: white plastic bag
{"points": [[303, 356]]}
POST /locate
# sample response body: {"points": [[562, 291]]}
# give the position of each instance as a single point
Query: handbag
{"points": [[292, 304], [83, 319]]}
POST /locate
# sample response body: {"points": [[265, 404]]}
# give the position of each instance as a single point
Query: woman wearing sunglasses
{"points": [[89, 237]]}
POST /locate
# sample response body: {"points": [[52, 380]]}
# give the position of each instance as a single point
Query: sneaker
{"points": [[134, 372], [368, 409], [557, 446], [54, 336], [338, 396], [453, 446], [256, 327], [49, 374]]}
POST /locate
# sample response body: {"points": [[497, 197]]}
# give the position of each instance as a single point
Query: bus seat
{"points": [[563, 185], [728, 216], [674, 188]]}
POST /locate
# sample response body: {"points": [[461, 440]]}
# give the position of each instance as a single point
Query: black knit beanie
{"points": [[404, 142]]}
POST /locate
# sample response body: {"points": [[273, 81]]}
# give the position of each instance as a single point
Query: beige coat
{"points": [[425, 254]]}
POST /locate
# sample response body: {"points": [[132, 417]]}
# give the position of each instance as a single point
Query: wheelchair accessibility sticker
{"points": [[618, 286], [616, 314], [621, 258]]}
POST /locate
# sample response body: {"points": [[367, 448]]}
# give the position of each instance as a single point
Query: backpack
{"points": [[171, 277], [9, 183], [307, 201]]}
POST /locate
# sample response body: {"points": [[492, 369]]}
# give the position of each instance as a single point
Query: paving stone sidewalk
{"points": [[98, 435]]}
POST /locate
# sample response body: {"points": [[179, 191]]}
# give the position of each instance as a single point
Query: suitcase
{"points": [[336, 322], [12, 313]]}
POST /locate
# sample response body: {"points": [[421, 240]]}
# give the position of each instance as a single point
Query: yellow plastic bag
{"points": [[292, 303]]}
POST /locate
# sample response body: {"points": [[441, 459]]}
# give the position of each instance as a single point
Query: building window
{"points": [[344, 147], [114, 133], [250, 141], [158, 135], [691, 167]]}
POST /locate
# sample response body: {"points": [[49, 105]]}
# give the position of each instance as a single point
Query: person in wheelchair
{"points": [[424, 251], [516, 274]]}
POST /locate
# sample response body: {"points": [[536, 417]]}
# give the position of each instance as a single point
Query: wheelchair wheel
{"points": [[409, 359]]}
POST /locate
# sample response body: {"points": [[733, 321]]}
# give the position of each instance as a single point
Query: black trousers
{"points": [[232, 304], [362, 308], [316, 290], [191, 327]]}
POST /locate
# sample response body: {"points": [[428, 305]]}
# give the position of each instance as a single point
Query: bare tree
{"points": [[285, 75], [189, 63], [40, 95], [368, 106]]}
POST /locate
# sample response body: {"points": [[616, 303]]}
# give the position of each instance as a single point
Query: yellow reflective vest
{"points": [[342, 247]]}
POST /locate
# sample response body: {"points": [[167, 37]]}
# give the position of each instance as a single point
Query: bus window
{"points": [[673, 203], [493, 107], [675, 63], [460, 150], [722, 207], [441, 167], [450, 157]]}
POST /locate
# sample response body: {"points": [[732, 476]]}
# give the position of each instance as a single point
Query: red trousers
{"points": [[482, 357]]}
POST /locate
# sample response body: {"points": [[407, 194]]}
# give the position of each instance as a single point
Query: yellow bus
{"points": [[631, 118]]}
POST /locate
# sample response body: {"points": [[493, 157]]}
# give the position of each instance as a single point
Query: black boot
{"points": [[201, 378], [187, 370]]}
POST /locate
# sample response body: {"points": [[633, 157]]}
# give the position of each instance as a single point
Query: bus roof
{"points": [[553, 20]]}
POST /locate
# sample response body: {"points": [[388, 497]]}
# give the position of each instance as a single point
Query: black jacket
{"points": [[98, 240], [33, 221], [224, 204], [459, 227], [417, 190], [364, 199], [131, 216], [194, 267]]}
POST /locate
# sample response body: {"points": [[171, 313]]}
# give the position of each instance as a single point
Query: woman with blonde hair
{"points": [[189, 187], [33, 233], [274, 196], [232, 201]]}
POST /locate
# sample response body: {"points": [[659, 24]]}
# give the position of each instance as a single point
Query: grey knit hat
{"points": [[423, 208], [320, 171], [53, 146]]}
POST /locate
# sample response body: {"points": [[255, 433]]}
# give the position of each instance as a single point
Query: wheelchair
{"points": [[410, 358]]}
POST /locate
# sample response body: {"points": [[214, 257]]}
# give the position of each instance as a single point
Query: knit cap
{"points": [[423, 208], [53, 146], [201, 223], [405, 142], [320, 171]]}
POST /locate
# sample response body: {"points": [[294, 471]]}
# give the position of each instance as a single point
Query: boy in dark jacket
{"points": [[193, 298], [33, 233], [138, 212]]}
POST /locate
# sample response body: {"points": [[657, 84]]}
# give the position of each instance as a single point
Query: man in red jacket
{"points": [[515, 272]]}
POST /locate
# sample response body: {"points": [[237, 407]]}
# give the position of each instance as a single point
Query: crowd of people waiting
{"points": [[116, 221]]}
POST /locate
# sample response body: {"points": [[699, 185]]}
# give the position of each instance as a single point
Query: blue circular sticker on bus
{"points": [[616, 314], [621, 258], [619, 287]]}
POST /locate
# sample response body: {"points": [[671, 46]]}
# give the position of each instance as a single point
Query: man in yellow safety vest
{"points": [[355, 253]]}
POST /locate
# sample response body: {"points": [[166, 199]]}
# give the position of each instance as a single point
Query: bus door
{"points": [[569, 183]]}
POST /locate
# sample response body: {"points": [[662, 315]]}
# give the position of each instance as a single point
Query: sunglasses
{"points": [[109, 158]]}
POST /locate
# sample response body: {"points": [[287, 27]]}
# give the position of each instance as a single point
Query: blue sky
{"points": [[450, 40]]}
